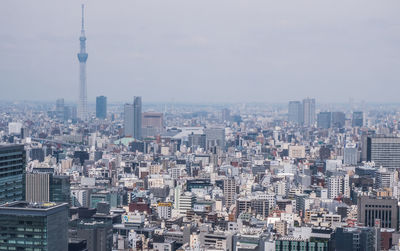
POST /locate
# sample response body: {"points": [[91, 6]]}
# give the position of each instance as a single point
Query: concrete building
{"points": [[229, 192], [378, 210]]}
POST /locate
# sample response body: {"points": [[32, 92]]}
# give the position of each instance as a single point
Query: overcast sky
{"points": [[203, 50]]}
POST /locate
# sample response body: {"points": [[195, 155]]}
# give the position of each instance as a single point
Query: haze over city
{"points": [[203, 51]]}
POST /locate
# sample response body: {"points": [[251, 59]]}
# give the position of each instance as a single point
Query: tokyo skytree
{"points": [[82, 56]]}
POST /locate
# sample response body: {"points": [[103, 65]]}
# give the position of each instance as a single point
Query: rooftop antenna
{"points": [[83, 20]]}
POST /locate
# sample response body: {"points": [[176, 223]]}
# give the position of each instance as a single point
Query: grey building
{"points": [[358, 119], [12, 168], [101, 107], [252, 205], [97, 233], [25, 226], [198, 140], [215, 137], [60, 109], [46, 187], [356, 239], [324, 120], [128, 120], [295, 112], [372, 210], [309, 112], [338, 119], [137, 117], [350, 154], [384, 151]]}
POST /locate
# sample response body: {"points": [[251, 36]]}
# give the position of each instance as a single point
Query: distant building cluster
{"points": [[149, 177]]}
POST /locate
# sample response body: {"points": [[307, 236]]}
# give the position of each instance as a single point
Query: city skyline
{"points": [[269, 52]]}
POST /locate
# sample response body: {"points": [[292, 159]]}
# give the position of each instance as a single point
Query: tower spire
{"points": [[83, 17], [82, 57]]}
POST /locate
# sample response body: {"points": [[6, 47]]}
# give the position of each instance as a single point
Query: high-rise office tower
{"points": [[137, 117], [60, 109], [82, 56], [101, 107], [12, 168], [309, 112], [295, 113], [324, 120], [358, 119], [225, 115], [128, 120], [25, 226], [338, 119], [384, 151]]}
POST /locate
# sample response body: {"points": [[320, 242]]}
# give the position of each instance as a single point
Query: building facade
{"points": [[12, 168], [25, 226]]}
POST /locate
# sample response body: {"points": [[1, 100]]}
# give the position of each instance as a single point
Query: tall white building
{"points": [[385, 178], [350, 154], [338, 186]]}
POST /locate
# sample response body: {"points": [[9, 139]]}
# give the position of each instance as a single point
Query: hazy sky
{"points": [[203, 50]]}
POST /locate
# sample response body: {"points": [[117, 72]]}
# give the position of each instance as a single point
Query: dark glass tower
{"points": [[12, 168], [101, 107]]}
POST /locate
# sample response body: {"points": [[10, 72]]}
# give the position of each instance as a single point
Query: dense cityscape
{"points": [[94, 175]]}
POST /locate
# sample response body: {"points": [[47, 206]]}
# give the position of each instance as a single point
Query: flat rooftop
{"points": [[24, 208]]}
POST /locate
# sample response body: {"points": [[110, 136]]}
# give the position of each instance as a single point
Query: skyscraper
{"points": [[128, 120], [12, 168], [358, 119], [101, 107], [309, 111], [82, 56], [295, 112], [338, 119], [60, 109], [137, 117], [324, 120]]}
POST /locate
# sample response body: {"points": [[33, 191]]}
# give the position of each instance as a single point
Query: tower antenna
{"points": [[83, 20]]}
